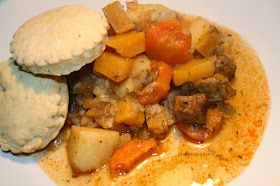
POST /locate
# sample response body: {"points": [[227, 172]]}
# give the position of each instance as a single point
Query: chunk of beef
{"points": [[224, 63], [190, 109], [216, 88]]}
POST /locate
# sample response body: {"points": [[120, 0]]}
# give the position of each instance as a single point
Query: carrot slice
{"points": [[169, 41], [128, 155], [161, 88]]}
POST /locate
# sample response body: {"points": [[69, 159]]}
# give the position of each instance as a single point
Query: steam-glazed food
{"points": [[168, 88], [33, 108], [177, 87], [65, 43]]}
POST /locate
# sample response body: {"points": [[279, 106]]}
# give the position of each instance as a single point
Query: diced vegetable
{"points": [[113, 66], [101, 111], [130, 111], [124, 139], [149, 13], [193, 70], [128, 155], [140, 70], [89, 103], [168, 41], [143, 133], [125, 87], [95, 108], [169, 113], [94, 112], [129, 44], [214, 117], [88, 122], [156, 118], [90, 148], [160, 87], [205, 36], [117, 18]]}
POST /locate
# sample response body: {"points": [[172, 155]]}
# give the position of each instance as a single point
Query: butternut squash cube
{"points": [[130, 111], [117, 18], [193, 70], [129, 44], [113, 66]]}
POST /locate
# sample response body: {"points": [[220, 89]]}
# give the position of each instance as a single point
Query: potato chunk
{"points": [[156, 118], [193, 70], [117, 17], [129, 44], [151, 13], [113, 66], [130, 111], [140, 69], [205, 36], [90, 148]]}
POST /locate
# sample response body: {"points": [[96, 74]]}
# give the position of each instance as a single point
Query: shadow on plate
{"points": [[18, 158]]}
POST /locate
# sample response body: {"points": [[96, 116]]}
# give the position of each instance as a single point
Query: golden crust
{"points": [[33, 108], [60, 41]]}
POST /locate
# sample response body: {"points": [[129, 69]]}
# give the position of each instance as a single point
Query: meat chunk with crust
{"points": [[190, 109], [216, 88], [224, 63]]}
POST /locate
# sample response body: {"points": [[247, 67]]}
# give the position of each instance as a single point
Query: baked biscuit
{"points": [[33, 108], [60, 41]]}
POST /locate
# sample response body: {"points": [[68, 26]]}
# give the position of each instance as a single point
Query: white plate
{"points": [[257, 21]]}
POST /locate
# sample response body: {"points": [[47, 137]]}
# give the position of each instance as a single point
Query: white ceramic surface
{"points": [[256, 20]]}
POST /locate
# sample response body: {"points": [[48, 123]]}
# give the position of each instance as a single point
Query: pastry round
{"points": [[60, 41], [33, 108]]}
